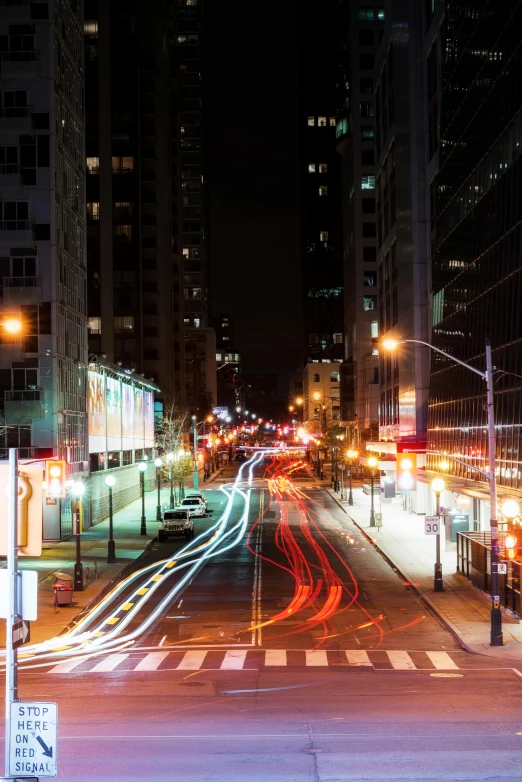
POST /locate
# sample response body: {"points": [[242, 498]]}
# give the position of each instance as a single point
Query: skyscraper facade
{"points": [[134, 231], [43, 367], [476, 239], [360, 30]]}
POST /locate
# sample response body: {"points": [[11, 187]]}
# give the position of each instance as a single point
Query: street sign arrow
{"points": [[21, 633], [48, 751]]}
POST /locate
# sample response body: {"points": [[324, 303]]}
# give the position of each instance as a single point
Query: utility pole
{"points": [[496, 638], [11, 652]]}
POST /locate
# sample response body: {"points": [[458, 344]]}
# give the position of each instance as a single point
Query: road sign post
{"points": [[33, 744], [11, 659]]}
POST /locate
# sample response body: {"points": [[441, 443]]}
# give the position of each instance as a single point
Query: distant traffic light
{"points": [[55, 478], [407, 471]]}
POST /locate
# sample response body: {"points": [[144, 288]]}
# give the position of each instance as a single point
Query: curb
{"points": [[403, 574]]}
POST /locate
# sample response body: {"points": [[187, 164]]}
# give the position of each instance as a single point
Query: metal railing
{"points": [[15, 225], [26, 395], [474, 562], [22, 282]]}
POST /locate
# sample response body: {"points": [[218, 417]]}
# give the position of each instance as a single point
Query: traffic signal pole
{"points": [[11, 653]]}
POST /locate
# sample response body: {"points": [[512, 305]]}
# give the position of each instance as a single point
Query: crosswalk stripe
{"points": [[316, 657], [192, 661], [401, 661], [442, 660], [69, 665], [109, 663], [275, 657], [358, 658], [234, 660], [151, 662]]}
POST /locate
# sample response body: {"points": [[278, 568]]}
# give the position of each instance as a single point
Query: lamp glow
{"points": [[142, 466], [390, 344], [78, 488], [438, 485], [372, 462], [110, 480], [510, 509]]}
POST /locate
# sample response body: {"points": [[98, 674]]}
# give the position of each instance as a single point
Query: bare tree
{"points": [[171, 430]]}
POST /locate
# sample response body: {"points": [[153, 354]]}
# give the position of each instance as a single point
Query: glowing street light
{"points": [[13, 325]]}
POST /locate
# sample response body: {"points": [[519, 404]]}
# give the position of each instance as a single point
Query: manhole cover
{"points": [[447, 675]]}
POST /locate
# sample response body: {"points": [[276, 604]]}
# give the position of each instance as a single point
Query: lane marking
{"points": [[401, 661], [442, 660], [112, 620], [69, 665], [316, 657], [234, 660], [152, 661], [192, 661], [162, 640], [109, 664], [275, 657], [127, 606], [358, 658]]}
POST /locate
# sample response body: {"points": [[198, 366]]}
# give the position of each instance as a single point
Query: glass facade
{"points": [[476, 239]]}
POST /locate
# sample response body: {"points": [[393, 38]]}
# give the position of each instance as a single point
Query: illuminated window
{"points": [[323, 190], [380, 14], [123, 209], [218, 356], [90, 27], [321, 122], [323, 236], [93, 165], [367, 133], [182, 39], [311, 122], [334, 377], [124, 231], [375, 329], [369, 303], [197, 323], [122, 165], [338, 338], [323, 168], [368, 183], [332, 122], [317, 379], [94, 325], [311, 168], [366, 14], [124, 323], [93, 210]]}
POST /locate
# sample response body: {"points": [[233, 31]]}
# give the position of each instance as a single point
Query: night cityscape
{"points": [[261, 390]]}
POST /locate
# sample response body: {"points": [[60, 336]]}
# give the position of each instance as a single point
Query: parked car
{"points": [[197, 495], [177, 521], [193, 504]]}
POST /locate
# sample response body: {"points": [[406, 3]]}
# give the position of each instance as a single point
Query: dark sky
{"points": [[253, 175]]}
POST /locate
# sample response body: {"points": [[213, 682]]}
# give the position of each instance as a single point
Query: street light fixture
{"points": [[110, 480], [496, 638], [510, 509], [142, 467], [12, 325], [352, 454], [158, 463], [372, 462], [77, 490], [438, 487]]}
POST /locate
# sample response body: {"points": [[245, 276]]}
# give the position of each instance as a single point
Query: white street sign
{"points": [[32, 750], [502, 567], [432, 525], [27, 594]]}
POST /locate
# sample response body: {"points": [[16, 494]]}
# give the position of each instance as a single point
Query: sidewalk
{"points": [[60, 557], [461, 607]]}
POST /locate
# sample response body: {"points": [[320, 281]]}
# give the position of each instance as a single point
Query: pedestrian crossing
{"points": [[257, 659]]}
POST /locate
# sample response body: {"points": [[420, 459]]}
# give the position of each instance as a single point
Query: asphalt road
{"points": [[379, 690]]}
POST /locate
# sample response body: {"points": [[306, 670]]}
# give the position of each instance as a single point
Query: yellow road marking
{"points": [[60, 648], [157, 577], [112, 620], [142, 591], [127, 606], [99, 633], [170, 564]]}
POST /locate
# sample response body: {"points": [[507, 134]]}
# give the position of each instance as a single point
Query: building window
{"points": [[367, 157], [334, 377], [365, 37], [367, 109], [366, 86], [369, 279], [218, 356], [366, 62], [93, 210], [332, 122], [311, 168], [366, 14], [123, 210], [317, 378], [374, 326], [323, 190], [90, 28], [93, 165], [321, 122], [124, 231], [122, 165], [94, 325], [368, 206], [369, 254], [338, 338], [323, 168], [369, 303], [380, 14], [367, 133], [311, 122], [368, 182], [369, 230], [124, 323], [323, 236]]}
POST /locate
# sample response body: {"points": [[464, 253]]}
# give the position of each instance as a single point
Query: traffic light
{"points": [[407, 471], [55, 478], [510, 543]]}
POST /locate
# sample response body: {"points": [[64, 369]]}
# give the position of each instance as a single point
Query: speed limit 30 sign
{"points": [[432, 525]]}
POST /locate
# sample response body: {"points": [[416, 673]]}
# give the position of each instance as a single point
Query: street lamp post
{"points": [[142, 467], [438, 487], [351, 455], [77, 491], [110, 480], [496, 638], [158, 464], [372, 463], [170, 460]]}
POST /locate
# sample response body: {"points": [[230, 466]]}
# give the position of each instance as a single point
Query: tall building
{"points": [[43, 367], [476, 241], [135, 264], [191, 19], [228, 364], [402, 232], [320, 173], [360, 30]]}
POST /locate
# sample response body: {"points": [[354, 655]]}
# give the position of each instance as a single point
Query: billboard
{"points": [[120, 414], [96, 412]]}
